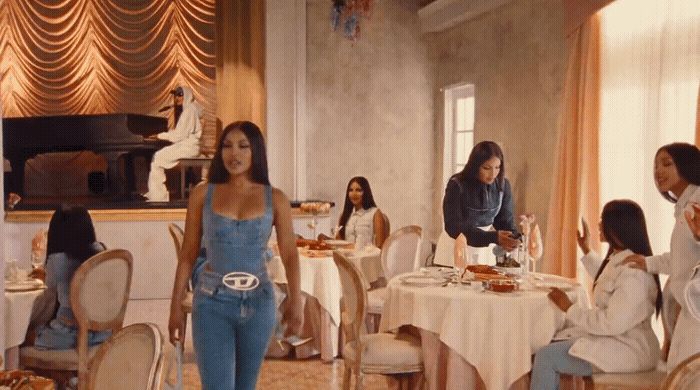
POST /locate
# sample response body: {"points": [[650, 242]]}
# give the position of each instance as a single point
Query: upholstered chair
{"points": [[178, 237], [130, 359], [380, 353], [99, 293]]}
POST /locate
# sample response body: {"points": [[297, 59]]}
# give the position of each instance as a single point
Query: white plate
{"points": [[422, 280], [25, 285], [337, 242], [553, 283]]}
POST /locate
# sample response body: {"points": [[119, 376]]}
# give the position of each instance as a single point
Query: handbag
{"points": [[177, 361]]}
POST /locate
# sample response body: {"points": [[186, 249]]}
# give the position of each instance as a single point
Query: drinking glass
{"points": [[37, 261], [11, 270]]}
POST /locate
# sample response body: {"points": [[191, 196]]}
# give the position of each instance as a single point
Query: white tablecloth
{"points": [[320, 279], [18, 311], [496, 333]]}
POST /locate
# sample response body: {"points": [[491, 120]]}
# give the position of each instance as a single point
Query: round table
{"points": [[495, 333], [320, 281], [18, 312]]}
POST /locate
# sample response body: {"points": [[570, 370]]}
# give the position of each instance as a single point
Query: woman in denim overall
{"points": [[231, 216]]}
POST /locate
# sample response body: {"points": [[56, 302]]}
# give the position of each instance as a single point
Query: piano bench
{"points": [[202, 162]]}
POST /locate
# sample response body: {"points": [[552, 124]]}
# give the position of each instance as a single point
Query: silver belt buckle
{"points": [[240, 281]]}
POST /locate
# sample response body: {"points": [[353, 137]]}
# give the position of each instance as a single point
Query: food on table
{"points": [[481, 269], [312, 244], [502, 286]]}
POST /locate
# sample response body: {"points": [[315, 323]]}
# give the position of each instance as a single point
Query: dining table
{"points": [[320, 283], [19, 300], [474, 338]]}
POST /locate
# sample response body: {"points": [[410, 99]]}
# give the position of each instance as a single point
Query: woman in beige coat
{"points": [[616, 334]]}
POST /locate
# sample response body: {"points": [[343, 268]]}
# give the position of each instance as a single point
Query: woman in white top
{"points": [[361, 220], [677, 176], [616, 334]]}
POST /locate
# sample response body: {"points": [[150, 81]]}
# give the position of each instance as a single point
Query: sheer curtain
{"points": [[650, 69]]}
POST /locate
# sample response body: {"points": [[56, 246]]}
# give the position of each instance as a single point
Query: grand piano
{"points": [[115, 136]]}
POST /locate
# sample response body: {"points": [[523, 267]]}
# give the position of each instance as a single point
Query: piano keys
{"points": [[115, 136]]}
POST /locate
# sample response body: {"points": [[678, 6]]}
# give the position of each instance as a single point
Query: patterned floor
{"points": [[278, 374]]}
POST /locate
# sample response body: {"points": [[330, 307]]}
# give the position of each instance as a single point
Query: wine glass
{"points": [[37, 261]]}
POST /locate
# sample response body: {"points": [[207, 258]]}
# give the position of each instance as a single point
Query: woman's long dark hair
{"points": [[686, 158], [258, 170], [624, 227], [482, 152], [71, 231], [367, 201]]}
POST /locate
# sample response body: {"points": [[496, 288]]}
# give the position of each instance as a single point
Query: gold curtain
{"points": [[575, 190], [697, 121], [240, 62], [104, 56], [578, 11]]}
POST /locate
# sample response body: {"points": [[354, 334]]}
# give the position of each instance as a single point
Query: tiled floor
{"points": [[278, 374]]}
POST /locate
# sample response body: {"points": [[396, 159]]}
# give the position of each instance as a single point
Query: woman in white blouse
{"points": [[616, 334], [361, 221], [677, 176]]}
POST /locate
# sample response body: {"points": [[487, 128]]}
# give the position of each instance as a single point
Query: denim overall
{"points": [[231, 328]]}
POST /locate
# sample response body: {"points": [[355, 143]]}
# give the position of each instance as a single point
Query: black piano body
{"points": [[110, 135]]}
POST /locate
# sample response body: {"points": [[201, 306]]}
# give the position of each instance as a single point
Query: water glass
{"points": [[11, 270], [37, 261]]}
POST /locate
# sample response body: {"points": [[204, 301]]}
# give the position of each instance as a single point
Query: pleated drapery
{"points": [[106, 56], [240, 61], [575, 191]]}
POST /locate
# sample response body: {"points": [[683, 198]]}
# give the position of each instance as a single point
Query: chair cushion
{"points": [[632, 380], [375, 300], [52, 359], [388, 353]]}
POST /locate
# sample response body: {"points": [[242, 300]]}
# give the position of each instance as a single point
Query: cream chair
{"points": [[400, 253], [686, 376], [178, 237], [381, 353], [647, 380], [129, 360], [387, 225], [99, 293]]}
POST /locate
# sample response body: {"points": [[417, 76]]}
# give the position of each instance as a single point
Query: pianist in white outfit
{"points": [[185, 138]]}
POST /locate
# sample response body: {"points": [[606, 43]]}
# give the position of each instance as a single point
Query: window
{"points": [[459, 128]]}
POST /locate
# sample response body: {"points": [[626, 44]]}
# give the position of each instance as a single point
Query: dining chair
{"points": [[686, 376], [178, 237], [387, 225], [380, 353], [646, 380], [130, 359], [99, 293], [400, 254]]}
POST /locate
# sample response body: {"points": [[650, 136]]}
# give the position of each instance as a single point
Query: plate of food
{"points": [[24, 285], [339, 243], [423, 280], [502, 286]]}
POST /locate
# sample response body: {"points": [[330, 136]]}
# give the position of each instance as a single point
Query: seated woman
{"points": [[616, 334], [361, 220], [71, 241]]}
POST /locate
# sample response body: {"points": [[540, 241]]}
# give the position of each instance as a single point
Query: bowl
{"points": [[502, 286]]}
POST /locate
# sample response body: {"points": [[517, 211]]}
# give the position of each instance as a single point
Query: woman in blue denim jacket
{"points": [[71, 241], [231, 217]]}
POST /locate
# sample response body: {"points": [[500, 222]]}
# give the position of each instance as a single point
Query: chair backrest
{"points": [[686, 376], [387, 225], [178, 237], [129, 360], [401, 251], [354, 298], [99, 293]]}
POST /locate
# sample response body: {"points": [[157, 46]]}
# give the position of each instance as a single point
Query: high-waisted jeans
{"points": [[231, 330], [553, 360]]}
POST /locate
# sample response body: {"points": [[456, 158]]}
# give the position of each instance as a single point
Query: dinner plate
{"points": [[562, 285], [422, 280], [338, 242], [25, 285]]}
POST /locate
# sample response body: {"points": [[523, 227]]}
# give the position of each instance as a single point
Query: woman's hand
{"points": [[506, 240], [176, 323], [293, 315], [584, 239], [560, 299], [693, 219], [636, 261]]}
